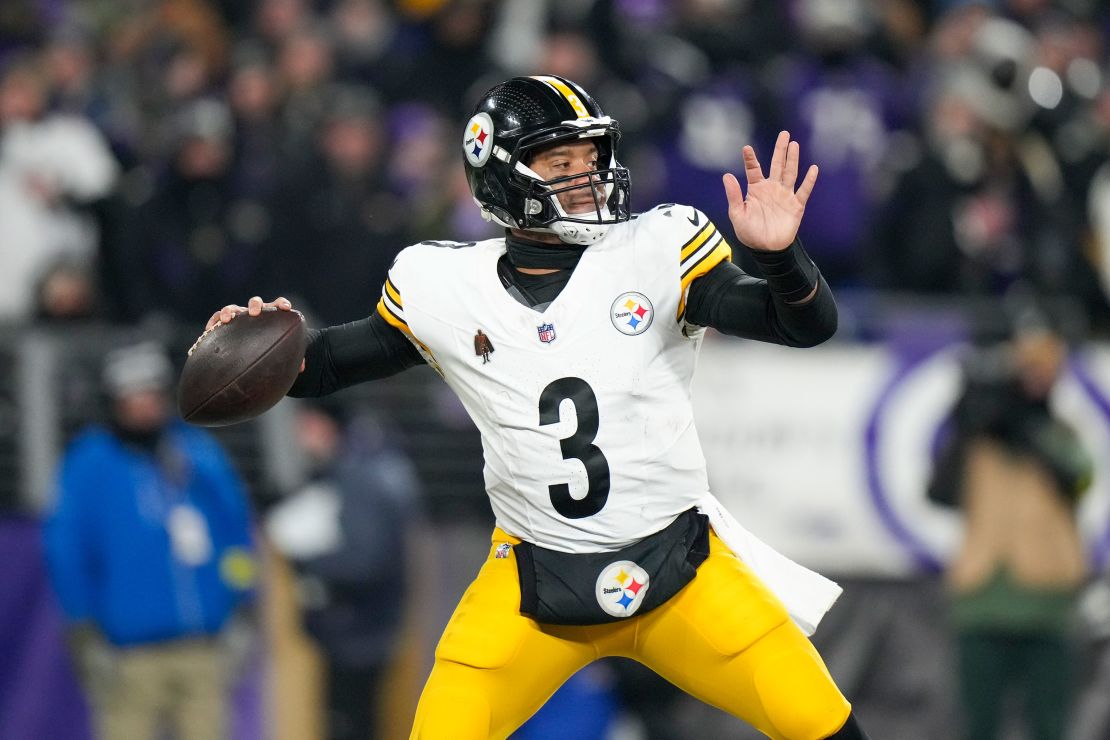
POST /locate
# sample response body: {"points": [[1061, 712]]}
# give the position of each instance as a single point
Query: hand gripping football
{"points": [[238, 370]]}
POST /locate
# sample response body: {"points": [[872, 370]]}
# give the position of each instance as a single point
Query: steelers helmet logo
{"points": [[478, 139], [621, 588], [632, 313]]}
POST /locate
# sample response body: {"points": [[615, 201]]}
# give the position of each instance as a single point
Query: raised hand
{"points": [[769, 216]]}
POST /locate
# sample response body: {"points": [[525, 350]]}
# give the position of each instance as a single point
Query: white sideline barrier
{"points": [[825, 453]]}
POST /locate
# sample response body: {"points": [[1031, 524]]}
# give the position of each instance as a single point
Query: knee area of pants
{"points": [[799, 696], [452, 714]]}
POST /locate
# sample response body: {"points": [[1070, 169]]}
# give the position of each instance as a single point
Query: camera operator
{"points": [[1016, 473]]}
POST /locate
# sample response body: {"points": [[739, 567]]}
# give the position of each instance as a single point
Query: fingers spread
{"points": [[778, 159], [254, 306], [733, 192], [752, 170], [282, 303], [807, 184]]}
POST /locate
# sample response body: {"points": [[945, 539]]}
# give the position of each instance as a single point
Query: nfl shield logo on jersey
{"points": [[546, 332]]}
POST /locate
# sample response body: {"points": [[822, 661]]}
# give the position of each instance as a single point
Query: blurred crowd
{"points": [[162, 158], [171, 156]]}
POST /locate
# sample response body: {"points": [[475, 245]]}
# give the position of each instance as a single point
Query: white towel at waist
{"points": [[807, 595]]}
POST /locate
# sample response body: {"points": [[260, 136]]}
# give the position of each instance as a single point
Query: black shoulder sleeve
{"points": [[733, 302], [341, 356]]}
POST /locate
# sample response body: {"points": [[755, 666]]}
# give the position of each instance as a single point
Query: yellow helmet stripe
{"points": [[561, 87]]}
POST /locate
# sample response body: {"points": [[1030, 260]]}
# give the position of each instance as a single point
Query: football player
{"points": [[607, 539]]}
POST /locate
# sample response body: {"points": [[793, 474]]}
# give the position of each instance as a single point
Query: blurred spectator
{"points": [[305, 64], [337, 226], [53, 169], [254, 95], [568, 52], [422, 172], [640, 43], [1016, 472], [731, 31], [149, 550], [346, 531], [1065, 86], [690, 80], [276, 20], [367, 44], [454, 66], [70, 66], [196, 239], [902, 30], [984, 204], [65, 293], [714, 122], [843, 105], [161, 55]]}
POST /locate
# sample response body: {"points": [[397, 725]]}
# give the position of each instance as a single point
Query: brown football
{"points": [[238, 370]]}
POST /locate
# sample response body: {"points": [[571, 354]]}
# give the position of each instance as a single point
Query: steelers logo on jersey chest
{"points": [[632, 313]]}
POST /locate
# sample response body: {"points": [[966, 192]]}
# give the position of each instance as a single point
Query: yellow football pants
{"points": [[724, 638]]}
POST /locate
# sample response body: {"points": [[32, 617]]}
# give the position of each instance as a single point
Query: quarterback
{"points": [[572, 342]]}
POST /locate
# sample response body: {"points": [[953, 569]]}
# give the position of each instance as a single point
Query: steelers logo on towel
{"points": [[478, 139], [632, 313], [621, 588]]}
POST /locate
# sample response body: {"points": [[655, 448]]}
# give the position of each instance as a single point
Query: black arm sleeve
{"points": [[341, 356], [733, 302]]}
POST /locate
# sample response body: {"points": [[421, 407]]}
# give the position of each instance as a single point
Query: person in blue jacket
{"points": [[149, 550]]}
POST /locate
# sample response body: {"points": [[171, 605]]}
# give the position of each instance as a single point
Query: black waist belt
{"points": [[601, 587]]}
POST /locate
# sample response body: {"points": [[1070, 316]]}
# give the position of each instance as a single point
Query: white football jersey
{"points": [[584, 409]]}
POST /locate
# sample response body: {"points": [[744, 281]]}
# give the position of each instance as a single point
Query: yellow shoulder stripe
{"points": [[718, 252], [698, 239], [692, 268], [398, 323], [393, 293], [393, 319]]}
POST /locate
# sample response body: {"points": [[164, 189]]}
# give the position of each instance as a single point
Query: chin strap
{"points": [[579, 234]]}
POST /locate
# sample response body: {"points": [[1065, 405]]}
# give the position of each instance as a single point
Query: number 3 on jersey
{"points": [[578, 446]]}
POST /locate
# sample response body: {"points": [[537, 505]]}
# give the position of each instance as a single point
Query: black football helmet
{"points": [[520, 116]]}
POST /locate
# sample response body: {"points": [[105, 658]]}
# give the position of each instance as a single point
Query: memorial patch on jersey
{"points": [[704, 251], [632, 313], [502, 551], [478, 139], [621, 588], [546, 332], [483, 347]]}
